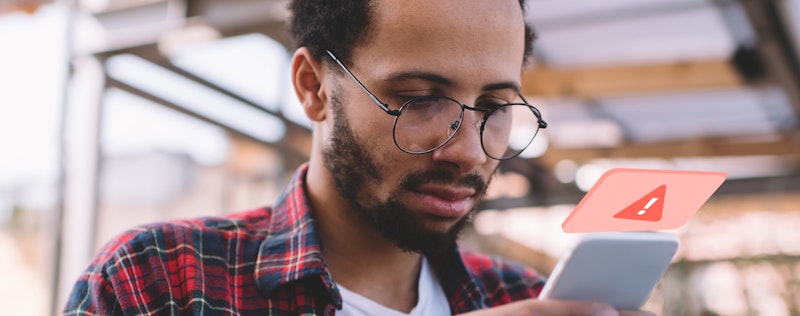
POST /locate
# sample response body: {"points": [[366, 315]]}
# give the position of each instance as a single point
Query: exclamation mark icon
{"points": [[649, 204], [647, 208]]}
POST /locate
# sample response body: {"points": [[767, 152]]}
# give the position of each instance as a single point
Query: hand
{"points": [[535, 307]]}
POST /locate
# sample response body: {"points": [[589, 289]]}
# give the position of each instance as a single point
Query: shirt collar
{"points": [[458, 283], [292, 249]]}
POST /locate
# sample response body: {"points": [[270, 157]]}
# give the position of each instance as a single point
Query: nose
{"points": [[464, 150]]}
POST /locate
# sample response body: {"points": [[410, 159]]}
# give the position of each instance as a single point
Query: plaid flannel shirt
{"points": [[262, 262]]}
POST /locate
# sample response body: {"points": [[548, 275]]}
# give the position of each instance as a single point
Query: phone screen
{"points": [[619, 269]]}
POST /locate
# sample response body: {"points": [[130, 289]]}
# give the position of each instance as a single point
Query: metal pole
{"points": [[71, 7]]}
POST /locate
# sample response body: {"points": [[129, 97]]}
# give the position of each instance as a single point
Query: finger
{"points": [[536, 307], [636, 313], [572, 308]]}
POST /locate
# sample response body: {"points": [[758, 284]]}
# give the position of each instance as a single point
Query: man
{"points": [[368, 226]]}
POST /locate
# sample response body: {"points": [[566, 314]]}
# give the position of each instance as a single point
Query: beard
{"points": [[353, 169]]}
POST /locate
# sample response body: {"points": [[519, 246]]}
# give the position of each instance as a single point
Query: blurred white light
{"points": [[721, 286], [736, 167], [588, 175], [195, 98], [586, 133], [487, 222], [537, 148], [251, 65], [6, 209], [32, 72], [535, 227], [133, 125], [565, 171], [95, 5], [740, 167]]}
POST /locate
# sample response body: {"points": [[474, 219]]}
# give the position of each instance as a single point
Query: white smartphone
{"points": [[618, 268]]}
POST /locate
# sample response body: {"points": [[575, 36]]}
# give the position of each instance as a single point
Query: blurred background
{"points": [[115, 113]]}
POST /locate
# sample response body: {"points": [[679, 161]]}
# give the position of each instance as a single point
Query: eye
{"points": [[405, 98], [489, 104]]}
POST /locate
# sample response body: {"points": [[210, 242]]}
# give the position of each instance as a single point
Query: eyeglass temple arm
{"points": [[542, 123], [383, 106]]}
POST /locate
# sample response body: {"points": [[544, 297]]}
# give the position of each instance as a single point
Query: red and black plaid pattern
{"points": [[260, 262]]}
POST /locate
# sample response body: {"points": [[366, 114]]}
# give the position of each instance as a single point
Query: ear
{"points": [[307, 80]]}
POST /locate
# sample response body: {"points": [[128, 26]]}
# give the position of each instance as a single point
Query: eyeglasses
{"points": [[424, 124]]}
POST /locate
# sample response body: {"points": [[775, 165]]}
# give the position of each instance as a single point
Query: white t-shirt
{"points": [[431, 299]]}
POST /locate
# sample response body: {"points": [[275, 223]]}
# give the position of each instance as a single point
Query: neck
{"points": [[358, 256]]}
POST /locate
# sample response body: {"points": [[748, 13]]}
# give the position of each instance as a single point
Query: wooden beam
{"points": [[26, 6], [588, 82], [725, 204], [787, 145]]}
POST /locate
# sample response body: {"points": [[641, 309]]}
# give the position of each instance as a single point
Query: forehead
{"points": [[470, 41]]}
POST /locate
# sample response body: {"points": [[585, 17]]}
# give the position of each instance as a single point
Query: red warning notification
{"points": [[648, 208], [642, 199]]}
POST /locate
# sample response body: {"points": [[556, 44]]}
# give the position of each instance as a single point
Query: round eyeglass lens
{"points": [[509, 130], [426, 123]]}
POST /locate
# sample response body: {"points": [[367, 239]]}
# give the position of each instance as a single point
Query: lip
{"points": [[445, 201]]}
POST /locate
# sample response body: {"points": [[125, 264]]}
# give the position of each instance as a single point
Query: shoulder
{"points": [[164, 236], [158, 247], [504, 281], [141, 266]]}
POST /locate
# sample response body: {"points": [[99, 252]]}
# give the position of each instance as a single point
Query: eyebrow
{"points": [[418, 75], [439, 79], [502, 85]]}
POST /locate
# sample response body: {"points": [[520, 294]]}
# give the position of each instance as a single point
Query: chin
{"points": [[441, 225]]}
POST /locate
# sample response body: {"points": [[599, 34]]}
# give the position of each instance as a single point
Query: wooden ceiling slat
{"points": [[788, 146], [630, 79], [26, 6]]}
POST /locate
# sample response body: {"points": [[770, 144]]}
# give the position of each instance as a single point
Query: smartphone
{"points": [[617, 268]]}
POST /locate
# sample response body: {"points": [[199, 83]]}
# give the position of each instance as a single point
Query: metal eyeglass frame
{"points": [[488, 112]]}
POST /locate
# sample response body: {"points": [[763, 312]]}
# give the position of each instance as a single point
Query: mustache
{"points": [[416, 179]]}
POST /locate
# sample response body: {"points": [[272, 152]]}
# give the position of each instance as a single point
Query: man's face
{"points": [[471, 51]]}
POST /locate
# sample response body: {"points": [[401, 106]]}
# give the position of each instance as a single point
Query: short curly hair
{"points": [[341, 25]]}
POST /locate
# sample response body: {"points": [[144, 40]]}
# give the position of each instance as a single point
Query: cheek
{"points": [[374, 132], [373, 129], [489, 168], [378, 142]]}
